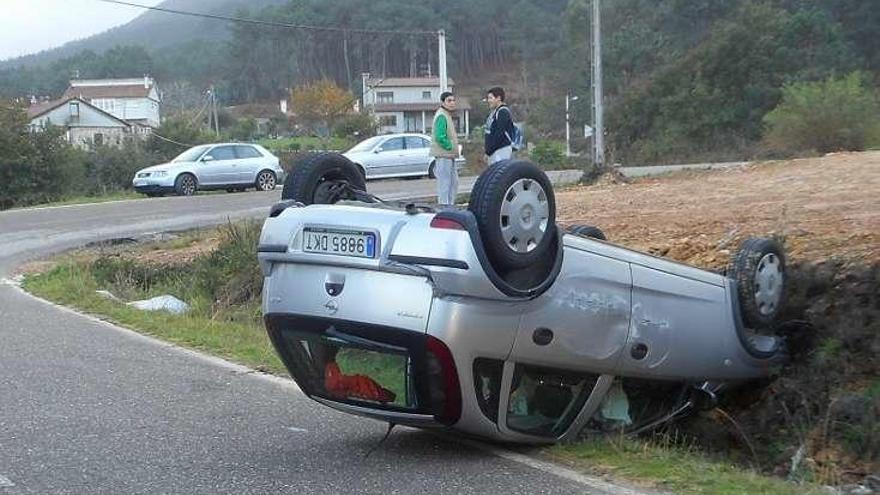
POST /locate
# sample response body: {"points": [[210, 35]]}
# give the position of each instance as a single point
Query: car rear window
{"points": [[247, 152]]}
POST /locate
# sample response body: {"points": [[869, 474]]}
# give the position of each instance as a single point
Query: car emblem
{"points": [[332, 306]]}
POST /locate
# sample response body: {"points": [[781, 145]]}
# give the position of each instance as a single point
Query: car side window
{"points": [[222, 153], [394, 144], [415, 142], [247, 152]]}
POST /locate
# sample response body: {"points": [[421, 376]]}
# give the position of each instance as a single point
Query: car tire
{"points": [[266, 181], [759, 271], [186, 185], [431, 173], [588, 231], [315, 179], [515, 209]]}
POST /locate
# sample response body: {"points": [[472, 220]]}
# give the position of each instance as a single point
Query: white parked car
{"points": [[230, 166], [395, 155]]}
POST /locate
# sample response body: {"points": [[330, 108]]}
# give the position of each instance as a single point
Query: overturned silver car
{"points": [[495, 322]]}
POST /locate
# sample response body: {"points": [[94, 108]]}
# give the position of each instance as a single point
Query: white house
{"points": [[136, 101], [84, 123], [407, 104]]}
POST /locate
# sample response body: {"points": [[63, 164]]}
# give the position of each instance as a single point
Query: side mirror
{"points": [[207, 158], [377, 150]]}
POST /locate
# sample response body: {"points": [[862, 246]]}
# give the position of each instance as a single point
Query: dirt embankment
{"points": [[826, 402]]}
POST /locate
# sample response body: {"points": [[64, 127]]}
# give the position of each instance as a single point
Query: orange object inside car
{"points": [[359, 386]]}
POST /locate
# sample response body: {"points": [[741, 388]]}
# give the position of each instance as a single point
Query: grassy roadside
{"points": [[80, 200], [215, 272], [668, 467]]}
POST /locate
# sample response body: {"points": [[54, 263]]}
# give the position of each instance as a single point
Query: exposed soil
{"points": [[823, 208], [826, 400]]}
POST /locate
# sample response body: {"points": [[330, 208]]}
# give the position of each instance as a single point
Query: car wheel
{"points": [[431, 170], [323, 178], [587, 231], [759, 271], [515, 209], [266, 180], [185, 185]]}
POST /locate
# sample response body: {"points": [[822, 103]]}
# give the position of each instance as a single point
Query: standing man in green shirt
{"points": [[444, 149]]}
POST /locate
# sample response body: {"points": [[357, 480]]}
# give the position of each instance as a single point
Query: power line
{"points": [[259, 22]]}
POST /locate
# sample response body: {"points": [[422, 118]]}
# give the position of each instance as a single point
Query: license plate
{"points": [[354, 243]]}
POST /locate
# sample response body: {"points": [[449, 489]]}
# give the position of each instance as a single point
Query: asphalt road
{"points": [[86, 407]]}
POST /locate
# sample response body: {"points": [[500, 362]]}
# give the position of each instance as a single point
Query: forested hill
{"points": [[681, 75], [152, 29]]}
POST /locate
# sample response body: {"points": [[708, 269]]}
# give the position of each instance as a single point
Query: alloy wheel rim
{"points": [[189, 186], [524, 216], [266, 181], [768, 283]]}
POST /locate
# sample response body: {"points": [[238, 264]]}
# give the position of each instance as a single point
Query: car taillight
{"points": [[446, 223], [446, 392]]}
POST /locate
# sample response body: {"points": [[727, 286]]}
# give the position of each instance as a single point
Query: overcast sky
{"points": [[28, 26]]}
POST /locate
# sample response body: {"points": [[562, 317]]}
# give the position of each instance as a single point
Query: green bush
{"points": [[357, 126], [174, 136], [35, 167], [548, 154], [108, 169], [831, 115]]}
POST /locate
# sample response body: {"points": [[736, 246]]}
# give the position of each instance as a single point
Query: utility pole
{"points": [[568, 98], [598, 125], [441, 42]]}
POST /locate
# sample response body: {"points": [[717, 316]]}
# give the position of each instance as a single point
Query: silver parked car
{"points": [[395, 155], [230, 166], [493, 320]]}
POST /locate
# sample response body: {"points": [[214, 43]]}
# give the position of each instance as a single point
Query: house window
{"points": [[385, 97], [426, 95], [74, 110], [99, 139], [388, 121]]}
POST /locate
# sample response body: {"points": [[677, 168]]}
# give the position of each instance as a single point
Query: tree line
{"points": [[684, 78]]}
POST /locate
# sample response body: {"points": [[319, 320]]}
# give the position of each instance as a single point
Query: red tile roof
{"points": [[397, 82], [91, 92]]}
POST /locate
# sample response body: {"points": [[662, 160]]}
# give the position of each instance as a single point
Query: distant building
{"points": [[84, 124], [407, 104], [136, 101]]}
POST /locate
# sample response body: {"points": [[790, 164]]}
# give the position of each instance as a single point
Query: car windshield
{"points": [[366, 145], [191, 154]]}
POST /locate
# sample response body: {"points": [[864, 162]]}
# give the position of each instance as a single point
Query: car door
{"points": [[219, 166], [570, 341], [250, 162], [418, 159], [390, 157]]}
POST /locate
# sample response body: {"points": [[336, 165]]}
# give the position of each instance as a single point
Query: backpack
{"points": [[517, 140]]}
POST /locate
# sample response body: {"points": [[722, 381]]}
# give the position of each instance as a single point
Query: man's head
{"points": [[447, 100], [495, 97]]}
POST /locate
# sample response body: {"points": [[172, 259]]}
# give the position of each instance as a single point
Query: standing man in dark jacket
{"points": [[444, 149], [499, 127]]}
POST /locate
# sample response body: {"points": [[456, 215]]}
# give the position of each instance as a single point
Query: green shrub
{"points": [[548, 154], [108, 169], [831, 115], [35, 167], [357, 126]]}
